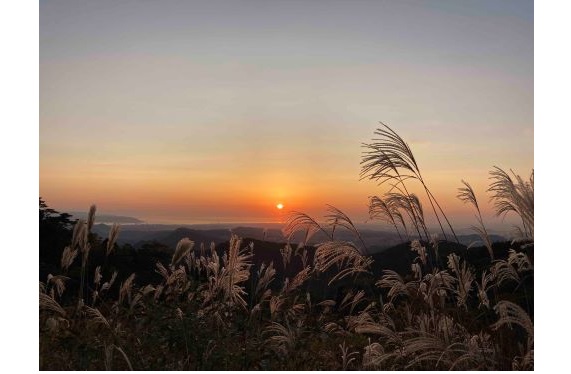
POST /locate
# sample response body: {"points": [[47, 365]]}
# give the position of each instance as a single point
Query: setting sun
{"points": [[163, 133]]}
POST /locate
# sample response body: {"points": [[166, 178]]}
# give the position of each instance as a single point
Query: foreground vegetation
{"points": [[328, 307]]}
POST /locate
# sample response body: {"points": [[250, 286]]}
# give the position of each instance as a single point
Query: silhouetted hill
{"points": [[108, 218], [385, 249], [474, 239], [198, 236], [137, 235]]}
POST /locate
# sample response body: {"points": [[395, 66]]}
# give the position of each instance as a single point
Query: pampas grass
{"points": [[48, 303], [467, 195], [91, 217], [113, 235], [410, 204], [286, 253], [396, 285], [513, 196], [297, 281], [464, 278], [298, 221], [107, 285], [67, 257], [125, 291], [389, 158], [183, 247], [282, 338], [56, 284], [388, 212], [96, 317], [351, 300], [372, 356], [344, 255], [336, 217], [511, 313], [237, 313]]}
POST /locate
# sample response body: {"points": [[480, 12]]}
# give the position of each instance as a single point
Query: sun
{"points": [[280, 206]]}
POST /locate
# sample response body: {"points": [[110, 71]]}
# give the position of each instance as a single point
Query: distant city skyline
{"points": [[217, 111]]}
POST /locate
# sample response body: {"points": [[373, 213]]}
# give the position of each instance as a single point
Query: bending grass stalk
{"points": [[391, 153]]}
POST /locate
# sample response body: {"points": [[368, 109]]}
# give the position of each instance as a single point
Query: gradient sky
{"points": [[208, 111]]}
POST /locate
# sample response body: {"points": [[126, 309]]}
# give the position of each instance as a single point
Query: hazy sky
{"points": [[216, 111]]}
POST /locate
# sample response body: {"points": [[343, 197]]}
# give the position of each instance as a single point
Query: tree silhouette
{"points": [[54, 235]]}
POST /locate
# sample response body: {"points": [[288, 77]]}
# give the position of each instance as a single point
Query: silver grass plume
{"points": [[415, 246], [511, 313], [57, 283], [286, 254], [396, 285], [464, 278], [436, 285], [380, 209], [513, 196], [113, 235], [298, 280], [336, 217], [276, 304], [410, 204], [91, 217], [68, 256], [48, 303], [351, 300], [520, 260], [298, 221], [97, 276], [183, 247], [371, 356], [466, 194], [389, 158], [282, 338], [344, 255], [126, 288], [502, 271], [483, 290], [266, 276], [96, 317], [77, 238], [107, 285]]}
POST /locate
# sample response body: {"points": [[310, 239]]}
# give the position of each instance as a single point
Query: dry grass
{"points": [[48, 303], [388, 212], [464, 278], [336, 218], [236, 316], [345, 256], [467, 195], [68, 256], [298, 221], [282, 338], [390, 159], [183, 247], [113, 235], [515, 196]]}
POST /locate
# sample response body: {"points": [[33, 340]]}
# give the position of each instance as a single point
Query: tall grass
{"points": [[514, 196], [390, 159], [214, 309], [467, 195]]}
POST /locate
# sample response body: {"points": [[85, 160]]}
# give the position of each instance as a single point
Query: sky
{"points": [[183, 111]]}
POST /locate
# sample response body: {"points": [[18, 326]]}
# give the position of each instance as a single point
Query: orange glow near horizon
{"points": [[176, 198], [211, 115]]}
